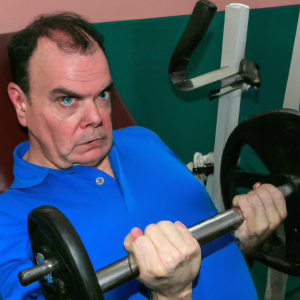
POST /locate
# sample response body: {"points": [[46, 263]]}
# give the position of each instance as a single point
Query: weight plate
{"points": [[274, 137], [53, 236]]}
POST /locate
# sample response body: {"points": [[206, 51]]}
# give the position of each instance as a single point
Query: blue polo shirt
{"points": [[151, 185]]}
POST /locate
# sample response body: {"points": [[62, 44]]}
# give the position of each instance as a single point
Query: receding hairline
{"points": [[62, 50], [65, 42], [65, 50]]}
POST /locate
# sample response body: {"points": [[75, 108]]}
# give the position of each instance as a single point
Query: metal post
{"points": [[233, 51], [291, 98]]}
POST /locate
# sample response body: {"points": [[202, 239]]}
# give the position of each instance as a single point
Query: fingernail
{"points": [[256, 185], [179, 223]]}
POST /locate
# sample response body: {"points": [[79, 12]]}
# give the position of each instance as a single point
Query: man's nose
{"points": [[91, 115]]}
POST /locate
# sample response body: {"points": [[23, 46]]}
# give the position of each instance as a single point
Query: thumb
{"points": [[256, 185], [135, 233], [131, 237]]}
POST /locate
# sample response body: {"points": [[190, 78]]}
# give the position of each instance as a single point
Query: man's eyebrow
{"points": [[66, 92], [69, 93], [108, 87]]}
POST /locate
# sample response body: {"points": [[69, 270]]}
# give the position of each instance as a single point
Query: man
{"points": [[97, 178]]}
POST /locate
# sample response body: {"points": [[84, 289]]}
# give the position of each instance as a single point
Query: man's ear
{"points": [[20, 102]]}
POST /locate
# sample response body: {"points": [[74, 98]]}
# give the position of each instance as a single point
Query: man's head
{"points": [[61, 91]]}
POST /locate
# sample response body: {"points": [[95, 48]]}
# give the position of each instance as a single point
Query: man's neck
{"points": [[104, 165]]}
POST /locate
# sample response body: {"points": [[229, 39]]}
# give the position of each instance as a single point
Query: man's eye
{"points": [[104, 95], [67, 101]]}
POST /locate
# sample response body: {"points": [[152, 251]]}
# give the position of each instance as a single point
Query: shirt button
{"points": [[100, 180]]}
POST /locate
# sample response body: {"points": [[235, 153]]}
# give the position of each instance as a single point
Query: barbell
{"points": [[65, 270], [60, 239]]}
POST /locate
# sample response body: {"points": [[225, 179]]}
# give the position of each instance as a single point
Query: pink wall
{"points": [[16, 14]]}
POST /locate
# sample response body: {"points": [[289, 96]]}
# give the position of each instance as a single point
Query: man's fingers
{"points": [[264, 208], [147, 258], [163, 246], [180, 237], [168, 257], [253, 210], [145, 253], [167, 240], [193, 245], [278, 199], [270, 208], [276, 196]]}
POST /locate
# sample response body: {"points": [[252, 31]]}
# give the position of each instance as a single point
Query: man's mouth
{"points": [[91, 141]]}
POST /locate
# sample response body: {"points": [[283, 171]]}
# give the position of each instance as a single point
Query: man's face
{"points": [[69, 116]]}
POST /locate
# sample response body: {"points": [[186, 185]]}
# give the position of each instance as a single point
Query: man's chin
{"points": [[92, 158]]}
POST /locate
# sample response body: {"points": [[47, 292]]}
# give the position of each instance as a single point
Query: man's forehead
{"points": [[49, 60]]}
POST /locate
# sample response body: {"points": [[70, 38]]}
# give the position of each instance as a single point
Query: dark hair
{"points": [[22, 45]]}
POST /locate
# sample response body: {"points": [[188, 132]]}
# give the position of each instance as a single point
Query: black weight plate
{"points": [[52, 235], [274, 137]]}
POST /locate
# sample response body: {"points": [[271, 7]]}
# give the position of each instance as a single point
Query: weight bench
{"points": [[12, 134]]}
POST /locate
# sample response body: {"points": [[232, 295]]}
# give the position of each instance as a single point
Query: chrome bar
{"points": [[286, 189], [219, 224], [117, 273], [37, 272]]}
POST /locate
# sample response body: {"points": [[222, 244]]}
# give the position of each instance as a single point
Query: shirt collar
{"points": [[27, 174]]}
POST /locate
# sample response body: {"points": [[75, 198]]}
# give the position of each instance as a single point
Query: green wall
{"points": [[139, 52]]}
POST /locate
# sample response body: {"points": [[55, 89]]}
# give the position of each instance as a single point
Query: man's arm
{"points": [[168, 257], [264, 209]]}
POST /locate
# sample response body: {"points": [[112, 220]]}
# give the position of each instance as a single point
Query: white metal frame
{"points": [[233, 51], [292, 92]]}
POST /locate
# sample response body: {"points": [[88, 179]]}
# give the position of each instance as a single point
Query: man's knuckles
{"points": [[241, 201], [161, 228], [165, 224], [144, 247], [159, 271], [173, 257], [193, 246], [152, 230], [245, 206], [173, 260], [256, 202], [277, 194], [264, 195]]}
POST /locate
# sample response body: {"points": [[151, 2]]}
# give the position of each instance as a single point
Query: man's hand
{"points": [[168, 257], [264, 209]]}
